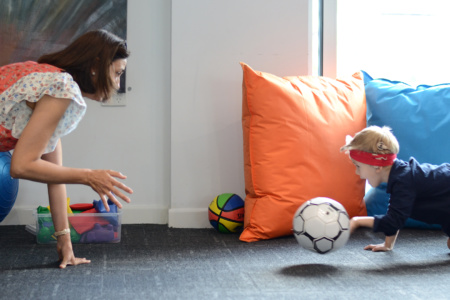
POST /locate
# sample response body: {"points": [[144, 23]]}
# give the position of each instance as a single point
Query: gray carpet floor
{"points": [[157, 262]]}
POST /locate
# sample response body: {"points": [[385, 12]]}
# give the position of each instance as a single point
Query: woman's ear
{"points": [[94, 68]]}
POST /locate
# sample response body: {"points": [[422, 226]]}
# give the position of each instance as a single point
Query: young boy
{"points": [[419, 191]]}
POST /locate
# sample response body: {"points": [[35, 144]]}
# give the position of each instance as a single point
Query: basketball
{"points": [[226, 213]]}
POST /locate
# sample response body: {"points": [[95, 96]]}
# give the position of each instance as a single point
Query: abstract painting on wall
{"points": [[31, 28]]}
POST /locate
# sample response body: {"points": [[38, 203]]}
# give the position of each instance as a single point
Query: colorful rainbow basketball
{"points": [[226, 213]]}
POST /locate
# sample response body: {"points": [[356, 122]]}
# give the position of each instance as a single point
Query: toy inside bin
{"points": [[84, 227]]}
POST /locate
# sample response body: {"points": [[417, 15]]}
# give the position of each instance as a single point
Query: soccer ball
{"points": [[321, 225]]}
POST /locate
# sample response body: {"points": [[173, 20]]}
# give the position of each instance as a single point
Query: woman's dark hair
{"points": [[93, 51]]}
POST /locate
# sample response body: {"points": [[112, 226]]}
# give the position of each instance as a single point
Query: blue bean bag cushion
{"points": [[419, 118]]}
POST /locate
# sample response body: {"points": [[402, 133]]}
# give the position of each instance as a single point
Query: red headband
{"points": [[379, 160]]}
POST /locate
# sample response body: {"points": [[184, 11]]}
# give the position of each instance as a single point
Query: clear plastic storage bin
{"points": [[85, 228]]}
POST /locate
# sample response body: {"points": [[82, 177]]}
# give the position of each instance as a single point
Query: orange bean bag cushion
{"points": [[293, 128]]}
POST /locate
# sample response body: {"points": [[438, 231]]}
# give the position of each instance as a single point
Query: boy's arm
{"points": [[389, 242], [356, 222]]}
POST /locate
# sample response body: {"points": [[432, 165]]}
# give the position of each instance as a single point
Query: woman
{"points": [[41, 102]]}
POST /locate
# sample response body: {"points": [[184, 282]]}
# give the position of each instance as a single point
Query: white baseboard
{"points": [[139, 214], [144, 214], [189, 218], [20, 215]]}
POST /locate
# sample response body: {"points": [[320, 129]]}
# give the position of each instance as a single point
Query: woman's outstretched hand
{"points": [[106, 185]]}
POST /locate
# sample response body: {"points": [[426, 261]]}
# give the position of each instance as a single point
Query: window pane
{"points": [[404, 40]]}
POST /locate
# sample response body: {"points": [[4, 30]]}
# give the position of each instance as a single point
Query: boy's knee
{"points": [[448, 243]]}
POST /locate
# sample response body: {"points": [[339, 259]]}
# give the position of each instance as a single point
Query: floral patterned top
{"points": [[30, 81]]}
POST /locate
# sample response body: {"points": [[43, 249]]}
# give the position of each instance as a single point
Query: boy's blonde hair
{"points": [[373, 139]]}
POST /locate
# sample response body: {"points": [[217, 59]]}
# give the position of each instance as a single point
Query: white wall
{"points": [[179, 139], [209, 39]]}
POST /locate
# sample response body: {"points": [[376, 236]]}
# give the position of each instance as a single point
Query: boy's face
{"points": [[371, 173]]}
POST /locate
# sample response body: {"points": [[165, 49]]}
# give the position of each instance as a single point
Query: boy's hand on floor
{"points": [[377, 248]]}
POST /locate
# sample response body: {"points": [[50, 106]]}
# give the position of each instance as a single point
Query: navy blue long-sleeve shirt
{"points": [[418, 191]]}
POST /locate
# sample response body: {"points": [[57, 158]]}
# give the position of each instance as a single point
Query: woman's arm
{"points": [[26, 160], [57, 197]]}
